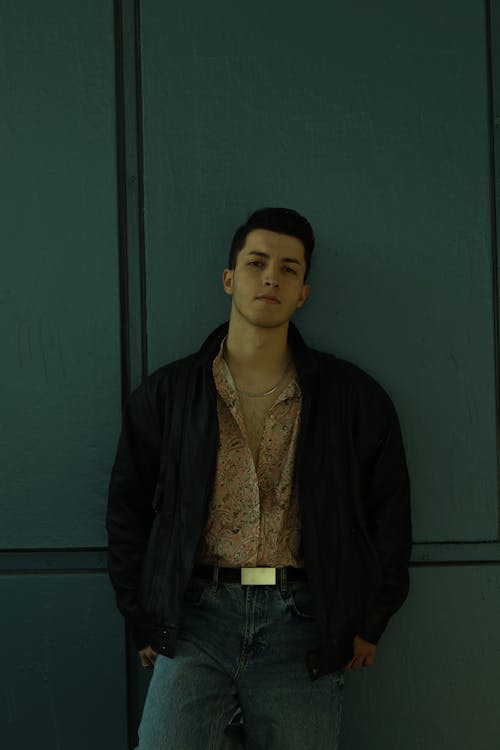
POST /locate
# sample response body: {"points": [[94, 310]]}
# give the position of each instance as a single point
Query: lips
{"points": [[269, 298]]}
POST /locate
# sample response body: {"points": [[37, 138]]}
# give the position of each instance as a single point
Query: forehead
{"points": [[274, 243]]}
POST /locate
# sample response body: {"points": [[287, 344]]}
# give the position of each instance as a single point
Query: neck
{"points": [[256, 356]]}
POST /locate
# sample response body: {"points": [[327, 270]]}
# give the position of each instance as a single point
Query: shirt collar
{"points": [[222, 377], [226, 387]]}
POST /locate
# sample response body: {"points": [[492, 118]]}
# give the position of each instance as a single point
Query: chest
{"points": [[254, 413], [258, 414]]}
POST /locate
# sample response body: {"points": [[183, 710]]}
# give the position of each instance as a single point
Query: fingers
{"points": [[369, 660], [356, 663], [148, 657], [364, 654]]}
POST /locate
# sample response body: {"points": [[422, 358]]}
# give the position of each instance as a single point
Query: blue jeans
{"points": [[242, 646]]}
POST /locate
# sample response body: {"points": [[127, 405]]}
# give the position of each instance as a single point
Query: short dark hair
{"points": [[281, 220]]}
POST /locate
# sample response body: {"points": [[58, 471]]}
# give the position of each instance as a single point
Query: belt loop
{"points": [[283, 583], [215, 577]]}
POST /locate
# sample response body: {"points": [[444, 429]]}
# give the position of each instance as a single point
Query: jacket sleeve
{"points": [[130, 506], [388, 516]]}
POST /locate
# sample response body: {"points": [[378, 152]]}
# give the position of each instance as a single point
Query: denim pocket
{"points": [[300, 598]]}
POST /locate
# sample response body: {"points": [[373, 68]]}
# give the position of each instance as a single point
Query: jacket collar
{"points": [[303, 357]]}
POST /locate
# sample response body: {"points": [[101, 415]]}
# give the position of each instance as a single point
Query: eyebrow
{"points": [[261, 254]]}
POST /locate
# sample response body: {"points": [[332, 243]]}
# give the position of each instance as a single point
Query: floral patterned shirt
{"points": [[254, 518]]}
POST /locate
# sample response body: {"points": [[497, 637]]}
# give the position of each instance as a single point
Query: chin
{"points": [[268, 323], [267, 317]]}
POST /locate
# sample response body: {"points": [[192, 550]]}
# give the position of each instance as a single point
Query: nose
{"points": [[271, 275]]}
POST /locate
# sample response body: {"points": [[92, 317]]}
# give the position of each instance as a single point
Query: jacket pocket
{"points": [[195, 592], [158, 497]]}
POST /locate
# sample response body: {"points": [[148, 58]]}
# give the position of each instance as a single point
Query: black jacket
{"points": [[353, 489]]}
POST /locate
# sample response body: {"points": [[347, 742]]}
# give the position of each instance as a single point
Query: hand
{"points": [[364, 654], [147, 657]]}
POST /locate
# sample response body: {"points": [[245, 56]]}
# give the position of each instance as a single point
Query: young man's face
{"points": [[267, 284]]}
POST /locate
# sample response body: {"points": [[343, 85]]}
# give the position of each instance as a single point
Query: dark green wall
{"points": [[121, 189], [62, 662], [373, 120], [60, 311]]}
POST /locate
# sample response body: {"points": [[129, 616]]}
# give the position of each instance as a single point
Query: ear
{"points": [[303, 295], [227, 280]]}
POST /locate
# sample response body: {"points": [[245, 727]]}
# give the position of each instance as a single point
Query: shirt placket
{"points": [[230, 398], [268, 453]]}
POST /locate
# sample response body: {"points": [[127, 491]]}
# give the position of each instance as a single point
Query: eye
{"points": [[255, 263], [290, 270]]}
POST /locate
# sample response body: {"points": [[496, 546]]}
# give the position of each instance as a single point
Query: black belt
{"points": [[250, 576]]}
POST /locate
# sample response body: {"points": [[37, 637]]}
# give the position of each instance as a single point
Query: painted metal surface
{"points": [[435, 683], [62, 667], [373, 121], [59, 284], [62, 664]]}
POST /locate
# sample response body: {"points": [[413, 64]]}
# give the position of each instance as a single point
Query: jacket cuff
{"points": [[373, 627], [141, 635]]}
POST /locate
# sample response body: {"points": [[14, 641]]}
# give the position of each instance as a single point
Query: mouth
{"points": [[269, 298]]}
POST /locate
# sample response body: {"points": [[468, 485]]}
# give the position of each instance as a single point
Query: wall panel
{"points": [[373, 121], [435, 683], [62, 663], [59, 285]]}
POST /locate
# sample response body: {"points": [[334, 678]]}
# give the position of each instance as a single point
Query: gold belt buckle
{"points": [[258, 576]]}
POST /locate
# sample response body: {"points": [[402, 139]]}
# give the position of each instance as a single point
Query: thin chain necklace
{"points": [[260, 394]]}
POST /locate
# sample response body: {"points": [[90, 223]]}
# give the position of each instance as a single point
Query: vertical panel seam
{"points": [[122, 204], [492, 129], [132, 265], [130, 180], [140, 172]]}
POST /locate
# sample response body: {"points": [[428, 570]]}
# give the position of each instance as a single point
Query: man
{"points": [[259, 522]]}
